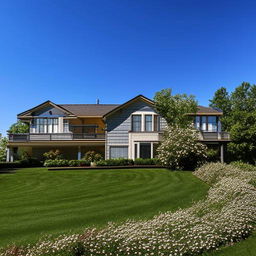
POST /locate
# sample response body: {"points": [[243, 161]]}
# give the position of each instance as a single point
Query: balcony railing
{"points": [[23, 137], [214, 136]]}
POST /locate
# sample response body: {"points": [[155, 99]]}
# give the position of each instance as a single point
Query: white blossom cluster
{"points": [[225, 216], [180, 148]]}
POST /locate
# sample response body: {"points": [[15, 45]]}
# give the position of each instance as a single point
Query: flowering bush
{"points": [[225, 216], [53, 155], [180, 148], [92, 156]]}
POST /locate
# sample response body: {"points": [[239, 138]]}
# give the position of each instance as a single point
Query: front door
{"points": [[145, 150]]}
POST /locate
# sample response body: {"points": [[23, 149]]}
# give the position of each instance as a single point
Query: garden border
{"points": [[104, 167]]}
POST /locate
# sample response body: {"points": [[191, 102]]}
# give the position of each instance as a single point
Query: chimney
{"points": [[97, 101]]}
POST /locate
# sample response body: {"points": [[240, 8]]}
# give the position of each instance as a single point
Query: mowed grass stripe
{"points": [[35, 202]]}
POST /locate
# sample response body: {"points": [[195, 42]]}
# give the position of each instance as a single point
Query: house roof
{"points": [[201, 110], [44, 104], [89, 109], [139, 97], [104, 110]]}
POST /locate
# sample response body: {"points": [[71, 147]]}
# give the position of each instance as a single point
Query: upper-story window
{"points": [[46, 125], [206, 123], [136, 123], [65, 125], [148, 123]]}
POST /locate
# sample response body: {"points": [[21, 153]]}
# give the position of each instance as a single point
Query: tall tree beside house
{"points": [[175, 107], [19, 127], [3, 146], [180, 148], [221, 100], [239, 119]]}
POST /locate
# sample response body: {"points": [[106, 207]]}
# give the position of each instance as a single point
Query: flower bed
{"points": [[225, 216]]}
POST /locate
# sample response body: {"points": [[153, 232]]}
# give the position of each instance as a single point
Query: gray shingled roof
{"points": [[202, 109], [89, 109], [102, 109]]}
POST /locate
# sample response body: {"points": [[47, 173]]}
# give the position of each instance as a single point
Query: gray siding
{"points": [[119, 124], [45, 112]]}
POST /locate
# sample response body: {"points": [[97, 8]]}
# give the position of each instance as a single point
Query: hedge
{"points": [[115, 162], [21, 163], [65, 163], [148, 161]]}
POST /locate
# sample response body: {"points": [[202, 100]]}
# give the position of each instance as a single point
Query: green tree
{"points": [[239, 119], [221, 100], [19, 127], [3, 147], [174, 108], [243, 134]]}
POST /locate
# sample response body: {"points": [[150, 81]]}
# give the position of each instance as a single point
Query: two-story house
{"points": [[130, 130]]}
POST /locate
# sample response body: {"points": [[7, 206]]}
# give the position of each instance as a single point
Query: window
{"points": [[148, 123], [156, 123], [46, 125], [118, 152], [203, 123], [197, 122], [207, 123], [65, 125], [212, 123], [136, 123]]}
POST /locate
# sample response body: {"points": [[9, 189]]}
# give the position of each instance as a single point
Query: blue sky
{"points": [[78, 51]]}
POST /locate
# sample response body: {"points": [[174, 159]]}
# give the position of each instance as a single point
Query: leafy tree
{"points": [[174, 108], [19, 127], [3, 146], [239, 119], [243, 134]]}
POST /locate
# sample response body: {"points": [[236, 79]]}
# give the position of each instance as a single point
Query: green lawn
{"points": [[243, 248], [35, 202]]}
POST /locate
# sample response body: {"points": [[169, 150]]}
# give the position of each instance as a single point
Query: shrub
{"points": [[148, 161], [53, 155], [244, 166], [212, 155], [65, 163], [56, 163], [115, 162], [92, 156], [180, 149], [5, 165]]}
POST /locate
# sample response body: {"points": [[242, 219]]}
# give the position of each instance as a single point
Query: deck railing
{"points": [[214, 136], [22, 137]]}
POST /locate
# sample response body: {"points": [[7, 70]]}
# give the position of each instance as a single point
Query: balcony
{"points": [[26, 137], [214, 136]]}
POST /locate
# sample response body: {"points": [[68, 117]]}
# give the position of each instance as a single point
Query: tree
{"points": [[243, 134], [19, 127], [3, 147], [221, 100], [239, 120], [174, 108]]}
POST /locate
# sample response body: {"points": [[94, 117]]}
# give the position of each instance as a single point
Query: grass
{"points": [[244, 248], [36, 202]]}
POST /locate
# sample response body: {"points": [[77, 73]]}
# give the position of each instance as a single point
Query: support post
{"points": [[79, 153], [8, 154], [221, 153]]}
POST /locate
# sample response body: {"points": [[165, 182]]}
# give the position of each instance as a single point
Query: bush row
{"points": [[108, 162], [21, 163], [65, 163]]}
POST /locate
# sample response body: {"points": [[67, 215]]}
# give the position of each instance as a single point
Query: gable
{"points": [[121, 119], [47, 108], [49, 111]]}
